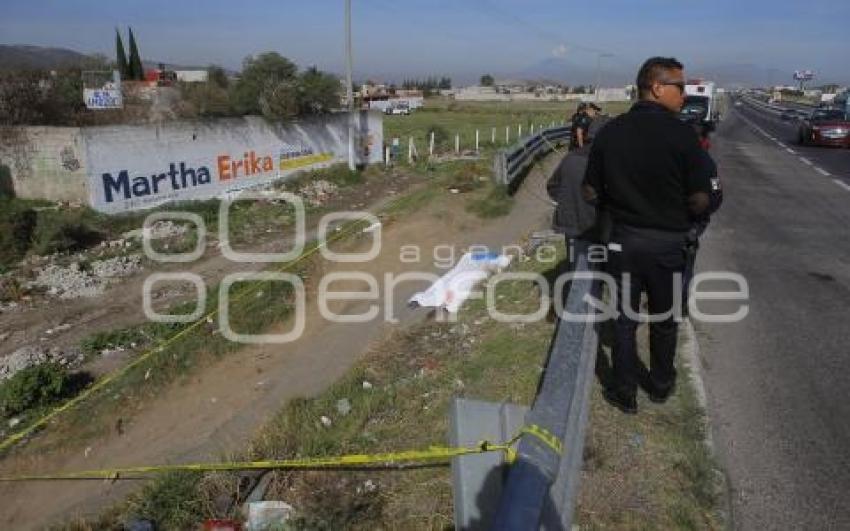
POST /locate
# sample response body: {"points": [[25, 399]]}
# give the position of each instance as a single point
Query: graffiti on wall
{"points": [[69, 159]]}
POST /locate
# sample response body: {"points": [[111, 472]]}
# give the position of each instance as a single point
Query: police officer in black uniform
{"points": [[580, 124], [646, 171]]}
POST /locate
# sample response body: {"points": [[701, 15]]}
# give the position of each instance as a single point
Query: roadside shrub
{"points": [[441, 136], [36, 386], [60, 231], [172, 501], [17, 226], [7, 187]]}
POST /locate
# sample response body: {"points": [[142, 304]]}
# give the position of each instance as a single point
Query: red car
{"points": [[825, 127]]}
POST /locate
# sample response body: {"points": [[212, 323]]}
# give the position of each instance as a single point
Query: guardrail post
{"points": [[560, 408]]}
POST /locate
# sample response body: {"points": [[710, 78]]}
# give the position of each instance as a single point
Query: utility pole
{"points": [[599, 57], [349, 89]]}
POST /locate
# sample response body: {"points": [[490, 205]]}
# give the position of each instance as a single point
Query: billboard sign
{"points": [[135, 167], [804, 75], [102, 90]]}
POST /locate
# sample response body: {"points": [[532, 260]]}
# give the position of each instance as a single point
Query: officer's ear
{"points": [[656, 90]]}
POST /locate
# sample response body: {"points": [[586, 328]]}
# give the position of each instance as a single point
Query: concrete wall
{"points": [[45, 162], [120, 168]]}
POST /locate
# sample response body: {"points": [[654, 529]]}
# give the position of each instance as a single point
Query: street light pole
{"points": [[348, 82], [599, 57]]}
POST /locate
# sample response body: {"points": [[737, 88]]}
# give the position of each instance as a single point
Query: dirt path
{"points": [[221, 407], [62, 324]]}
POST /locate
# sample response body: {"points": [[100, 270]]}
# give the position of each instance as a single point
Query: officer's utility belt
{"points": [[625, 231]]}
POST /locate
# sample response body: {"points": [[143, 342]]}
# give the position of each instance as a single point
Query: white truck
{"points": [[701, 102]]}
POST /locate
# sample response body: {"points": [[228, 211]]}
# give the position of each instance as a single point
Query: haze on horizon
{"points": [[764, 41]]}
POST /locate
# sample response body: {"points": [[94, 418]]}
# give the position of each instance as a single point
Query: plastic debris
{"points": [[343, 406], [265, 515]]}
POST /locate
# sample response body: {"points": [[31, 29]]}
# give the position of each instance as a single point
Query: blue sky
{"points": [[461, 38]]}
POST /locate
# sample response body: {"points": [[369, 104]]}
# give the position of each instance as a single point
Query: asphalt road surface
{"points": [[778, 382]]}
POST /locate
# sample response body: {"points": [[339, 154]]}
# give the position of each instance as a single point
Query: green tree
{"points": [[487, 80], [121, 57], [217, 76], [318, 92], [268, 81], [137, 71]]}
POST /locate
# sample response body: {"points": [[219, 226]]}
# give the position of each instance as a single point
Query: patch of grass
{"points": [[38, 387], [496, 203], [170, 502]]}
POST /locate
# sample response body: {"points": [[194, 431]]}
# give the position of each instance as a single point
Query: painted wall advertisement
{"points": [[135, 167]]}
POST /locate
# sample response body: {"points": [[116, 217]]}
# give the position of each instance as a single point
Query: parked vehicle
{"points": [[700, 103], [825, 127], [401, 107]]}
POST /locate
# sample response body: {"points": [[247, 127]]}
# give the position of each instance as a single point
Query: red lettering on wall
{"points": [[224, 168]]}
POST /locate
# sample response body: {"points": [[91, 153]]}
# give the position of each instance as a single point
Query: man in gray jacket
{"points": [[574, 217]]}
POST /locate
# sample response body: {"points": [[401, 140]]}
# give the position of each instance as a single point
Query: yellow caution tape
{"points": [[109, 378], [398, 459], [544, 436]]}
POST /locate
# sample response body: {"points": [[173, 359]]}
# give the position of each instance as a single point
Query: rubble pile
{"points": [[317, 193], [73, 281], [29, 356]]}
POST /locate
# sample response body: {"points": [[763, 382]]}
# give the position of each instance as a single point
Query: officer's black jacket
{"points": [[644, 165]]}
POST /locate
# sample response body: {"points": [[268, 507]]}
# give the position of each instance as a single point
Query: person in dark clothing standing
{"points": [[574, 217], [700, 222], [646, 171], [580, 124]]}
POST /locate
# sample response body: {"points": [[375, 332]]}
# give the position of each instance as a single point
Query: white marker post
{"points": [[519, 131], [457, 143], [532, 130], [493, 136], [476, 140], [410, 151], [387, 156], [507, 134], [431, 145]]}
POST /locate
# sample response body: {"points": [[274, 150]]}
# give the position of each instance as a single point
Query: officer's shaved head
{"points": [[655, 69]]}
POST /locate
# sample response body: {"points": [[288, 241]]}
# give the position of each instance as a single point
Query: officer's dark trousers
{"points": [[650, 261]]}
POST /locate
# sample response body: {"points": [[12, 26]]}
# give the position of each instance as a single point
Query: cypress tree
{"points": [[137, 72], [121, 57]]}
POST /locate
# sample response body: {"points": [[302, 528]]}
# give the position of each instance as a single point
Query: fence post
{"points": [[457, 143], [476, 140]]}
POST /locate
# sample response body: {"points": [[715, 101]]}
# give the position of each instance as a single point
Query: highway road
{"points": [[778, 383]]}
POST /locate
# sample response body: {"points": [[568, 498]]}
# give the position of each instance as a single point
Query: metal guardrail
{"points": [[512, 164], [542, 485]]}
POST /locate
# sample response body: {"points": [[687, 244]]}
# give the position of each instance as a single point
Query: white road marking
{"points": [[822, 171], [791, 151], [842, 184], [805, 161]]}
